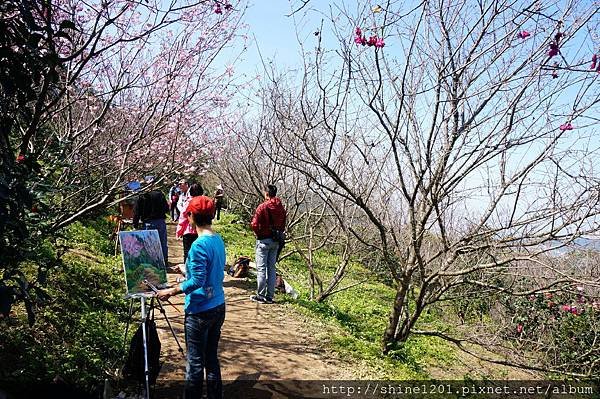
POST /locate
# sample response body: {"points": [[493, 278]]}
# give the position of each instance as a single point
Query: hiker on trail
{"points": [[185, 229], [268, 223], [151, 208], [204, 301], [184, 187], [174, 197], [219, 198]]}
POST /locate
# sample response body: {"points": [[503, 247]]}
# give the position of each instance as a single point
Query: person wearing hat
{"points": [[204, 301], [219, 197]]}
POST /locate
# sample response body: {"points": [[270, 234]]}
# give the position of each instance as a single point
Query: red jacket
{"points": [[261, 223]]}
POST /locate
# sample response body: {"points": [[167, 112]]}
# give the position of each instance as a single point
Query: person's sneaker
{"points": [[258, 298], [269, 301]]}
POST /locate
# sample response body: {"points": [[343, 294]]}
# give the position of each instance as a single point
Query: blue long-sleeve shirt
{"points": [[203, 286]]}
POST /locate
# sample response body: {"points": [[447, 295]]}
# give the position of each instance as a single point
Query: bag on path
{"points": [[240, 267], [134, 368]]}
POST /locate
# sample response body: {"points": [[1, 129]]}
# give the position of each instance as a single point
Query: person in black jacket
{"points": [[151, 208]]}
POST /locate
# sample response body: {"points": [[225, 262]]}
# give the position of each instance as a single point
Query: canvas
{"points": [[142, 260]]}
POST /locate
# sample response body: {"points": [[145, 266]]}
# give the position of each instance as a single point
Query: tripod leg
{"points": [[128, 321], [145, 341], [162, 311]]}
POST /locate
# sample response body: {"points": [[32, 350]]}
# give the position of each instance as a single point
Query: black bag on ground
{"points": [[134, 369]]}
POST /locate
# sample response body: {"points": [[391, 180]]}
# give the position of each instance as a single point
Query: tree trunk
{"points": [[389, 336]]}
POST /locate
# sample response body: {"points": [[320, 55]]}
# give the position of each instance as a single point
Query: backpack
{"points": [[277, 235], [134, 368], [240, 267]]}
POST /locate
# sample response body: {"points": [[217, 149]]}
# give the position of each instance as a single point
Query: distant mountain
{"points": [[582, 243]]}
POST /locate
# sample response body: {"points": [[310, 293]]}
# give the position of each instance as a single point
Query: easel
{"points": [[124, 218], [143, 296]]}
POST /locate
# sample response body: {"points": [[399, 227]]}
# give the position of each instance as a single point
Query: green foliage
{"points": [[78, 334], [90, 234], [562, 327]]}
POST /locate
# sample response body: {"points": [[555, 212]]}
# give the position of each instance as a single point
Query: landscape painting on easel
{"points": [[142, 260]]}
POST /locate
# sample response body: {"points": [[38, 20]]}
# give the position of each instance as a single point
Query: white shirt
{"points": [[181, 203]]}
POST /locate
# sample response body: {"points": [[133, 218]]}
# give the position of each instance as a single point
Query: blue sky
{"points": [[272, 32]]}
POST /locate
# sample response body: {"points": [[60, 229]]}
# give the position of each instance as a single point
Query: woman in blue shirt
{"points": [[204, 301]]}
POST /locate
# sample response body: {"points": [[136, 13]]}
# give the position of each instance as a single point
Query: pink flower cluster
{"points": [[523, 34], [595, 64], [572, 309], [218, 10], [554, 45], [361, 39], [566, 126]]}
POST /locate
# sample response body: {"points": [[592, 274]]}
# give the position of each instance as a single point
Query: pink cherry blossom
{"points": [[594, 59], [218, 9], [519, 328], [523, 34], [358, 31], [379, 43], [566, 126], [358, 40], [372, 41], [566, 308], [553, 50], [557, 37], [228, 7]]}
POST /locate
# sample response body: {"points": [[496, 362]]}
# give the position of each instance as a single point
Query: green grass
{"points": [[78, 333], [239, 239], [355, 318]]}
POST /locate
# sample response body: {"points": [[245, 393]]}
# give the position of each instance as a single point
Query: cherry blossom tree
{"points": [[96, 94]]}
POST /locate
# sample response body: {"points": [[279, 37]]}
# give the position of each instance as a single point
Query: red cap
{"points": [[202, 205]]}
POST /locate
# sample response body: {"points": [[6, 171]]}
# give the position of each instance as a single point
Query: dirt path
{"points": [[258, 342]]}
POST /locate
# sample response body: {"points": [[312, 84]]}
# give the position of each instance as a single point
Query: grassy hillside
{"points": [[78, 334], [351, 322]]}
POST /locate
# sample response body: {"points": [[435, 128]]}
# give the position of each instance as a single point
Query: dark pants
{"points": [[174, 211], [188, 240], [202, 333]]}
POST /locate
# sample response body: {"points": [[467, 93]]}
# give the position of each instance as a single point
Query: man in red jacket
{"points": [[268, 223]]}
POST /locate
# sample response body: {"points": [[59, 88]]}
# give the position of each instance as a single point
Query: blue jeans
{"points": [[202, 333], [161, 226], [266, 256]]}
